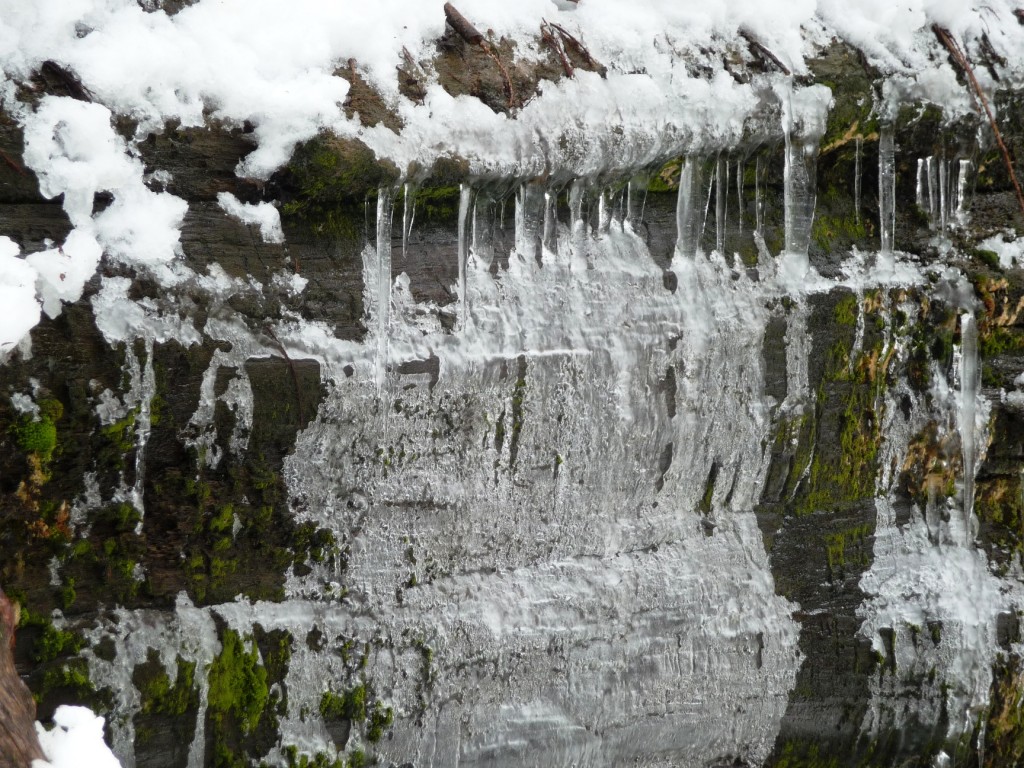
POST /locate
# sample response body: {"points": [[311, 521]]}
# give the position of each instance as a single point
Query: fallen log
{"points": [[19, 745]]}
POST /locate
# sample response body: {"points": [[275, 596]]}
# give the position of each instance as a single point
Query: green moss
{"points": [[53, 642], [237, 684], [72, 676], [1000, 340], [319, 760], [830, 231], [67, 594], [158, 694], [851, 543], [801, 755], [329, 178], [350, 705], [989, 258], [37, 437], [381, 718], [121, 434], [845, 311]]}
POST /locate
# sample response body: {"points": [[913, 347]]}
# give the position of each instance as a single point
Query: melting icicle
{"points": [[721, 202], [408, 213], [886, 188], [943, 181], [933, 188], [922, 180], [800, 199], [530, 222], [482, 244], [636, 200], [576, 192], [856, 178], [688, 227], [385, 206], [465, 200], [739, 196], [968, 397], [550, 237], [603, 214], [961, 191], [758, 202]]}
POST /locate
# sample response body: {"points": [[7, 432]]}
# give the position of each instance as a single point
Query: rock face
{"points": [[716, 462]]}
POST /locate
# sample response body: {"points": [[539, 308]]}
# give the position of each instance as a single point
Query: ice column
{"points": [[799, 178], [758, 202], [482, 244], [688, 220], [530, 221], [961, 191], [385, 202], [856, 178], [550, 239], [408, 213], [739, 196], [465, 201], [886, 188], [968, 398], [721, 202], [636, 200], [576, 192]]}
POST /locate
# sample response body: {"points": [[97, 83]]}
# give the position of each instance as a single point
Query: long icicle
{"points": [[465, 201], [385, 206]]}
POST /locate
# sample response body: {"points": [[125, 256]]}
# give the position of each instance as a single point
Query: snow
{"points": [[271, 64], [263, 215], [75, 742], [19, 309]]}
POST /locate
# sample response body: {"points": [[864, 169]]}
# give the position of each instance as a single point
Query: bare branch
{"points": [[960, 58]]}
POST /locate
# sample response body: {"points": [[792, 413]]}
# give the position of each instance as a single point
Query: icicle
{"points": [[856, 178], [739, 196], [721, 202], [530, 221], [711, 173], [550, 237], [800, 199], [886, 188], [758, 203], [922, 180], [408, 213], [482, 244], [576, 192], [465, 200], [688, 229], [603, 214], [961, 191], [636, 200], [968, 397], [943, 181], [385, 206], [933, 191]]}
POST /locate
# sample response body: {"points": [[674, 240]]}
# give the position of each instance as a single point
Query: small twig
{"points": [[291, 366], [509, 89], [762, 50], [1019, 14], [960, 58], [7, 159], [579, 48], [547, 37]]}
